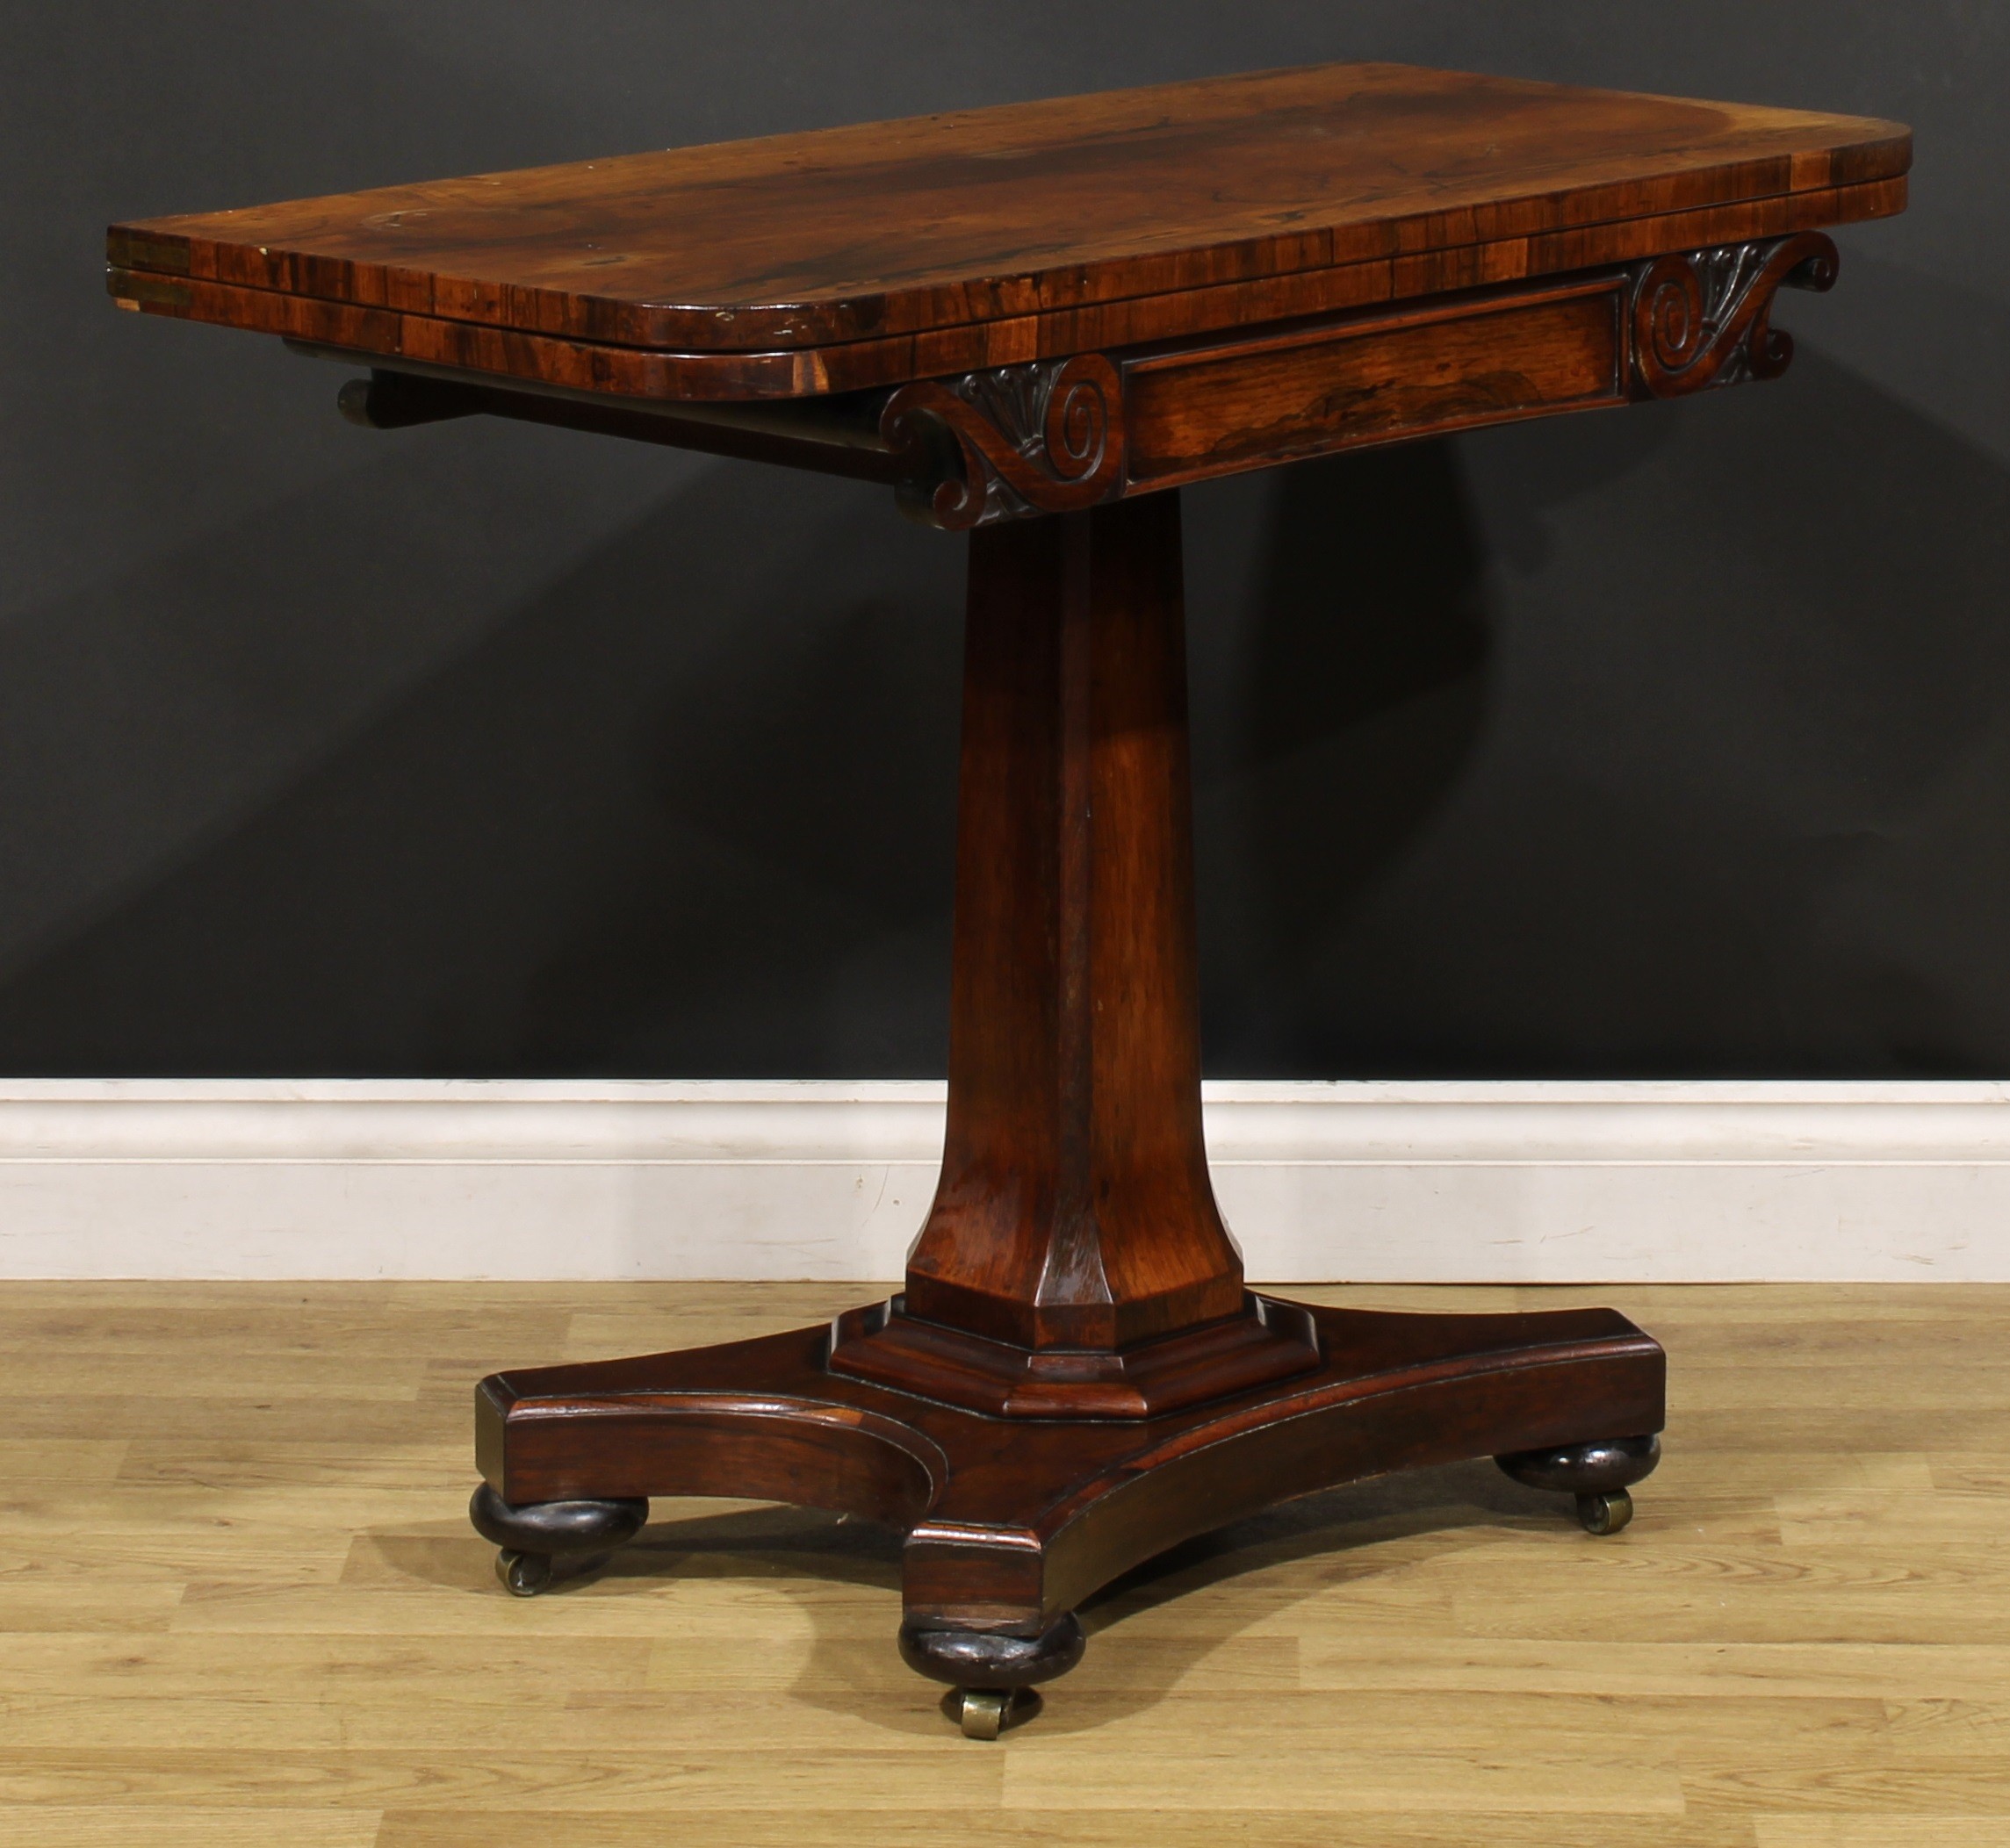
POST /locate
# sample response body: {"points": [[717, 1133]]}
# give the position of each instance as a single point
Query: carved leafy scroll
{"points": [[1046, 438], [1702, 317]]}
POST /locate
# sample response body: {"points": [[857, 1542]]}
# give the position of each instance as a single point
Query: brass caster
{"points": [[983, 1713], [1604, 1513], [523, 1575]]}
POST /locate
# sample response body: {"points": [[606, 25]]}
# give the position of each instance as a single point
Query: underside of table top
{"points": [[854, 258]]}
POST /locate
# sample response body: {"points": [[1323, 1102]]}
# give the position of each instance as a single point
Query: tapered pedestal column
{"points": [[1074, 1264], [1074, 1377]]}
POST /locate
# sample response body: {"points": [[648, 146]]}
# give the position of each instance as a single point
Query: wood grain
{"points": [[1058, 436], [863, 257], [1149, 1399], [466, 348], [1012, 1522], [1074, 1208], [293, 1635], [1193, 414]]}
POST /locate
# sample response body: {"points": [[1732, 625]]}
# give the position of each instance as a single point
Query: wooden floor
{"points": [[238, 1603]]}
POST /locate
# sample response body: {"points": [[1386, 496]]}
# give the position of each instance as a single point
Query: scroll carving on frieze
{"points": [[1046, 437], [1702, 317]]}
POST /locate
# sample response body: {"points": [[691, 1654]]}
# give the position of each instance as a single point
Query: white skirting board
{"points": [[1427, 1183]]}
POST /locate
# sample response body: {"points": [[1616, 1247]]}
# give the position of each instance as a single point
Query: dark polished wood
{"points": [[1586, 1469], [1704, 317], [1054, 436], [1198, 411], [1073, 1262], [1599, 1475], [1012, 1522], [866, 256], [555, 1527], [1037, 323], [1256, 1343], [533, 1536], [1074, 1209], [836, 437], [993, 1660]]}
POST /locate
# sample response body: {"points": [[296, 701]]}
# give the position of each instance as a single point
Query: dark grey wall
{"points": [[1670, 742]]}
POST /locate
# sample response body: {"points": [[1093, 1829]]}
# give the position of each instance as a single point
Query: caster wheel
{"points": [[1604, 1513], [523, 1575], [983, 1712]]}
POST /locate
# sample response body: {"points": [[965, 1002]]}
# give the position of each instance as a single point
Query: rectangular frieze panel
{"points": [[1225, 407]]}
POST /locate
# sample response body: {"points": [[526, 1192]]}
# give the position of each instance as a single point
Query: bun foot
{"points": [[1604, 1513], [533, 1535], [986, 1659], [1598, 1474], [993, 1675]]}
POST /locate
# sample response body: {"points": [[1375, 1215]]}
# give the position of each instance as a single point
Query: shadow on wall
{"points": [[1739, 801], [689, 810], [1368, 677], [1670, 742]]}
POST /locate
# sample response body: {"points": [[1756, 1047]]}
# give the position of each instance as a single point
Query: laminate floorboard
{"points": [[239, 1603]]}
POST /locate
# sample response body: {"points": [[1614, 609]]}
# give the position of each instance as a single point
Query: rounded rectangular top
{"points": [[896, 230]]}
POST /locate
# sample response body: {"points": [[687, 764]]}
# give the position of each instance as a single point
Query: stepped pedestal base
{"points": [[1012, 1522]]}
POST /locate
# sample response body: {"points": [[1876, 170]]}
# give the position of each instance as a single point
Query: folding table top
{"points": [[863, 257]]}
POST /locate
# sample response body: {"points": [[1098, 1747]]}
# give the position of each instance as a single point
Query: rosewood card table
{"points": [[1035, 323]]}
